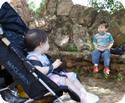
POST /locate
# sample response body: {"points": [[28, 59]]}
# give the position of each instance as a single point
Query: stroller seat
{"points": [[12, 57]]}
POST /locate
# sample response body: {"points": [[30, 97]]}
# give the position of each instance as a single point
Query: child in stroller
{"points": [[37, 44]]}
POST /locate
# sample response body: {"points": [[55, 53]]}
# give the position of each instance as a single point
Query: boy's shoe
{"points": [[95, 69], [106, 70]]}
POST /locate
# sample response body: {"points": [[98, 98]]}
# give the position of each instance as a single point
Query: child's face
{"points": [[102, 28], [44, 47]]}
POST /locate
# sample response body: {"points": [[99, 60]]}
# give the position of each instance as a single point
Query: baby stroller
{"points": [[12, 57]]}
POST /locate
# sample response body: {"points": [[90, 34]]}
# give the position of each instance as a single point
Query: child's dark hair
{"points": [[104, 23], [34, 37]]}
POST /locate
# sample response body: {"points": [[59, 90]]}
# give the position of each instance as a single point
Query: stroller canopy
{"points": [[13, 26], [11, 21]]}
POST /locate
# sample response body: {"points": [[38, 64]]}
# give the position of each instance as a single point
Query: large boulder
{"points": [[62, 35], [64, 7], [81, 37], [83, 15], [116, 33], [118, 28], [76, 13], [51, 7], [120, 19]]}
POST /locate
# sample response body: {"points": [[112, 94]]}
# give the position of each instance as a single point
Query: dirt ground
{"points": [[108, 90]]}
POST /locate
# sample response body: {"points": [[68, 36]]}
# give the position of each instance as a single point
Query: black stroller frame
{"points": [[30, 69]]}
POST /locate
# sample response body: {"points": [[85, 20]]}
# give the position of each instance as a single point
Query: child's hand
{"points": [[99, 48], [109, 47], [57, 63]]}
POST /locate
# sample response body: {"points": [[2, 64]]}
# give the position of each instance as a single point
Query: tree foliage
{"points": [[111, 6], [37, 9]]}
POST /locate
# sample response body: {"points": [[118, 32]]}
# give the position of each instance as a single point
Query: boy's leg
{"points": [[95, 59], [96, 56], [106, 57]]}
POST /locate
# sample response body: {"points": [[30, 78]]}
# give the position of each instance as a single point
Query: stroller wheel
{"points": [[9, 97], [2, 100]]}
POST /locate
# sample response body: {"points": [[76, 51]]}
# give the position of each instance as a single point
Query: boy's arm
{"points": [[95, 44], [94, 41], [111, 42], [97, 47], [110, 45]]}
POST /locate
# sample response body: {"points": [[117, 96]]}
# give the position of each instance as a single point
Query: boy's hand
{"points": [[103, 49], [99, 48], [57, 63]]}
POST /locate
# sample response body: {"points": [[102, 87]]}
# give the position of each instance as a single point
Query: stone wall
{"points": [[71, 27], [68, 23]]}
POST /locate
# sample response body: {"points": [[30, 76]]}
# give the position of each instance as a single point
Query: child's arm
{"points": [[106, 47], [111, 42], [43, 70], [57, 63], [95, 42], [47, 69], [110, 45], [98, 48]]}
